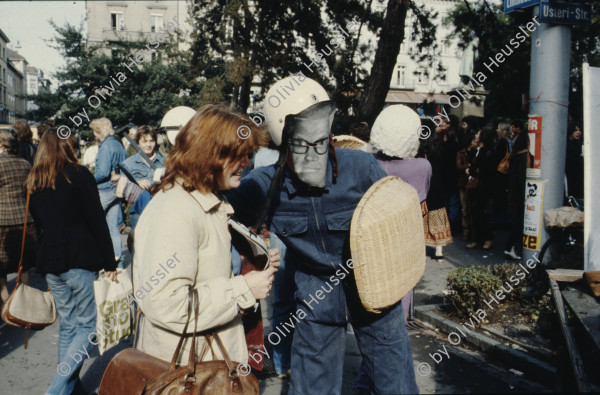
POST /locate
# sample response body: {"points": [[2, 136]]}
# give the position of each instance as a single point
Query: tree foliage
{"points": [[141, 95], [493, 29], [241, 42]]}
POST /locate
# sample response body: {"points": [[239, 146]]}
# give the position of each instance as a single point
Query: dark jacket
{"points": [[574, 168], [75, 233], [484, 167], [27, 151]]}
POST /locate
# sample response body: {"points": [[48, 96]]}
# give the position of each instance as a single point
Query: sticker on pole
{"points": [[532, 225], [534, 128]]}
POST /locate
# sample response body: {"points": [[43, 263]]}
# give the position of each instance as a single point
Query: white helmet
{"points": [[396, 132], [290, 96], [175, 119]]}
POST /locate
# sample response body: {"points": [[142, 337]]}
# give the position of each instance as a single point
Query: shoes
{"points": [[472, 245], [438, 258], [283, 376], [512, 254], [487, 245]]}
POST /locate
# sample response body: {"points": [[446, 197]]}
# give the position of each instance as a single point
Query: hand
{"points": [[111, 275], [144, 184], [274, 257], [260, 282]]}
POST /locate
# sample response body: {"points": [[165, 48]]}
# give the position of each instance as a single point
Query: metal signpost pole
{"points": [[549, 93]]}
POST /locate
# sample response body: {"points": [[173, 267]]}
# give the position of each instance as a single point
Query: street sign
{"points": [[565, 13], [511, 5]]}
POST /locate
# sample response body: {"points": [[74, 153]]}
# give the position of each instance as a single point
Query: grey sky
{"points": [[26, 22]]}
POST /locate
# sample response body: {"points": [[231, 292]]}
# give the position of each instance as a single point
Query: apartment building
{"points": [[36, 83], [110, 22], [4, 108]]}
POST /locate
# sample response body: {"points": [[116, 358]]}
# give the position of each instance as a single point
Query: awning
{"points": [[409, 97]]}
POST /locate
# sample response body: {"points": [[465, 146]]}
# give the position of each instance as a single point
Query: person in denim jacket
{"points": [[139, 168], [110, 154], [136, 165], [310, 211]]}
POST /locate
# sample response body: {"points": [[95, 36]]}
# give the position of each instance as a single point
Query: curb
{"points": [[517, 359]]}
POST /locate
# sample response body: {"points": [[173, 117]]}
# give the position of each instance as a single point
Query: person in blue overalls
{"points": [[315, 191]]}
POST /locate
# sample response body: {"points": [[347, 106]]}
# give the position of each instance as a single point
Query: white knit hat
{"points": [[396, 132]]}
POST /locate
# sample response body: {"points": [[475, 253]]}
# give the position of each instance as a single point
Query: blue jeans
{"points": [[363, 383], [319, 341], [73, 293], [112, 206], [453, 208], [284, 303]]}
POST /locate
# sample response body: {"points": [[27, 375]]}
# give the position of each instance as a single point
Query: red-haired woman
{"points": [[182, 239], [75, 245]]}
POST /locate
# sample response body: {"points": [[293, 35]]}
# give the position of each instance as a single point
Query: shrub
{"points": [[471, 286]]}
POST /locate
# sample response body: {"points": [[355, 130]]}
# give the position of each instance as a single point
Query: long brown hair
{"points": [[214, 135], [53, 154]]}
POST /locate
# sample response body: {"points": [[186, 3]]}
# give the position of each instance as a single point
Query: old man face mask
{"points": [[308, 142]]}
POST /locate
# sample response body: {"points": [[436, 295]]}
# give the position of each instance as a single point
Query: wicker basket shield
{"points": [[347, 141], [387, 243]]}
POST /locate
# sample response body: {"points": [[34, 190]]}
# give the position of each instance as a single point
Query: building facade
{"points": [[4, 108], [414, 83], [36, 83], [110, 22]]}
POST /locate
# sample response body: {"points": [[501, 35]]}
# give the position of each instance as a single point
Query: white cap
{"points": [[175, 119], [396, 132], [290, 96]]}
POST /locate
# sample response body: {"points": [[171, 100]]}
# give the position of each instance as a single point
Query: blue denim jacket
{"points": [[312, 223], [138, 167], [110, 154]]}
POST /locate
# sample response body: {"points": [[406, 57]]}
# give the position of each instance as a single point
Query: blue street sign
{"points": [[565, 13], [511, 5]]}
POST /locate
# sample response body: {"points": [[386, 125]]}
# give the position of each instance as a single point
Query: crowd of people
{"points": [[182, 193], [478, 179]]}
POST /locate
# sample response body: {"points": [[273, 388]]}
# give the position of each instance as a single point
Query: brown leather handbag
{"points": [[133, 372], [211, 377], [505, 162]]}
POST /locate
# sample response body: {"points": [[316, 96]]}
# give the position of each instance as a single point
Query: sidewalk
{"points": [[30, 371]]}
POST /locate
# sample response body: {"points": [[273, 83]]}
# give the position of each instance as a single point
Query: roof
{"points": [[3, 36], [11, 54]]}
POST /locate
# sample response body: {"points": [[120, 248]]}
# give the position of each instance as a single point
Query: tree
{"points": [[95, 84], [238, 41], [494, 29], [392, 34]]}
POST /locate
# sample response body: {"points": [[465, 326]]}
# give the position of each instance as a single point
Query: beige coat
{"points": [[182, 239]]}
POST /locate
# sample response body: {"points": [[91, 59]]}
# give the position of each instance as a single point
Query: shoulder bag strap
{"points": [[23, 241], [230, 365], [178, 349]]}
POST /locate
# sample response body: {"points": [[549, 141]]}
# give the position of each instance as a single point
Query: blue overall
{"points": [[313, 223]]}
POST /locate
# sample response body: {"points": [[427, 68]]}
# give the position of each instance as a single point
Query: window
{"points": [[156, 22], [116, 21], [445, 48], [32, 84], [400, 75], [422, 76]]}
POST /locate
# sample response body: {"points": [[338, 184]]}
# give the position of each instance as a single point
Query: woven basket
{"points": [[347, 141], [387, 243]]}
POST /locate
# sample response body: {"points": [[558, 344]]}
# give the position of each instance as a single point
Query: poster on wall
{"points": [[534, 128], [532, 226]]}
